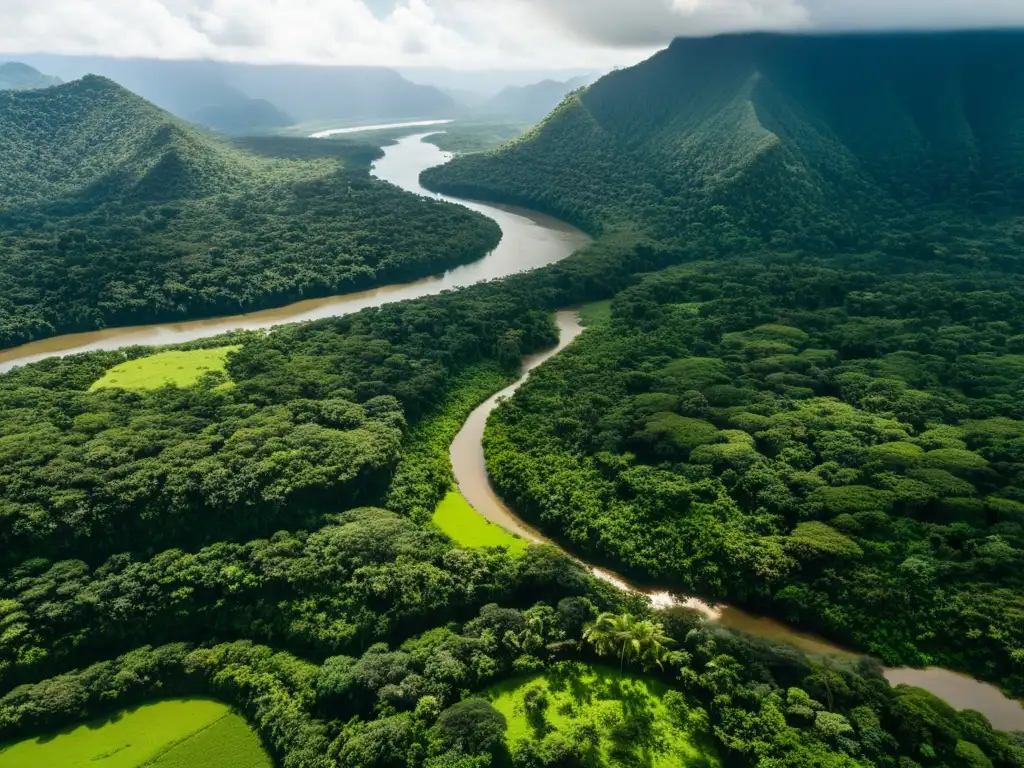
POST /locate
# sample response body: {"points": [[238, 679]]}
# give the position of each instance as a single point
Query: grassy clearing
{"points": [[629, 716], [197, 733], [181, 368], [595, 312], [228, 743], [467, 527], [424, 475]]}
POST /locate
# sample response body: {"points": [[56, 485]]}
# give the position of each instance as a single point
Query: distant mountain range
{"points": [[822, 138], [245, 98], [530, 103], [15, 76]]}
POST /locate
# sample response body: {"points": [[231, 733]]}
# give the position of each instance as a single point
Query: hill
{"points": [[304, 93], [824, 141], [17, 76], [113, 211], [243, 116], [531, 103]]}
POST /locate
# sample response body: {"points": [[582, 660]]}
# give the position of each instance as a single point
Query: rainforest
{"points": [[799, 392]]}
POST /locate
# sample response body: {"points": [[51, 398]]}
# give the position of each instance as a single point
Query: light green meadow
{"points": [[634, 726], [177, 733], [468, 528], [181, 368]]}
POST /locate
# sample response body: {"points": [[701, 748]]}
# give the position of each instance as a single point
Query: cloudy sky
{"points": [[464, 34]]}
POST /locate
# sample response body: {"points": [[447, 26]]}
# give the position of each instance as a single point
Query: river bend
{"points": [[529, 240]]}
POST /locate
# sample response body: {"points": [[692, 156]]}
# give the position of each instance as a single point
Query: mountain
{"points": [[91, 141], [17, 76], [115, 212], [530, 103], [819, 140], [192, 89], [310, 93], [245, 116]]}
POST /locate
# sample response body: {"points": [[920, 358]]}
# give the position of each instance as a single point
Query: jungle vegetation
{"points": [[113, 212], [819, 415], [814, 427]]}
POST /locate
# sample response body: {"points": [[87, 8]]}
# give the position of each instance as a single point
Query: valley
{"points": [[459, 521]]}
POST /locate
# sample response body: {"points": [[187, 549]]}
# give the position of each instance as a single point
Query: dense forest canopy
{"points": [[822, 420], [820, 417], [112, 212]]}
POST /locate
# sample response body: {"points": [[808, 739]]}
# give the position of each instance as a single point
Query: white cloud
{"points": [[461, 33], [458, 33]]}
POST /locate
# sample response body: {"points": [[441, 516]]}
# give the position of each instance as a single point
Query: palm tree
{"points": [[600, 633], [652, 641], [644, 639]]}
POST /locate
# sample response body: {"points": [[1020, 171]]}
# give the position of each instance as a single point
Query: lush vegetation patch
{"points": [[115, 213], [468, 528], [463, 137], [424, 475], [595, 312], [824, 460], [179, 368], [167, 734], [602, 718]]}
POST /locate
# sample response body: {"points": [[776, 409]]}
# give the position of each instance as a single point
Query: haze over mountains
{"points": [[237, 98], [17, 76], [533, 102]]}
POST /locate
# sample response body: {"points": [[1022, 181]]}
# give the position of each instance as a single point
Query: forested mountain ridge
{"points": [[784, 133], [16, 76], [92, 140], [819, 416], [113, 212]]}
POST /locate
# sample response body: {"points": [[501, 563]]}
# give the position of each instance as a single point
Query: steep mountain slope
{"points": [[531, 102], [113, 211], [188, 88], [17, 76], [791, 133], [92, 140]]}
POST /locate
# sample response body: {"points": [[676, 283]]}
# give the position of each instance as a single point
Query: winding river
{"points": [[467, 454], [529, 240]]}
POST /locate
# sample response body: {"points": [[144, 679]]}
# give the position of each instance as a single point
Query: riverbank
{"points": [[470, 470], [529, 240]]}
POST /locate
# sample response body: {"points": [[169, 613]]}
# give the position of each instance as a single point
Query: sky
{"points": [[460, 34]]}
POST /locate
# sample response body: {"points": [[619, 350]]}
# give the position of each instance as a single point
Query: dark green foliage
{"points": [[830, 436], [472, 726], [907, 142], [829, 429], [837, 488], [366, 576], [113, 212]]}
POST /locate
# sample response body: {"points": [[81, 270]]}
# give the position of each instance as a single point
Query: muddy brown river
{"points": [[960, 691], [529, 240]]}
